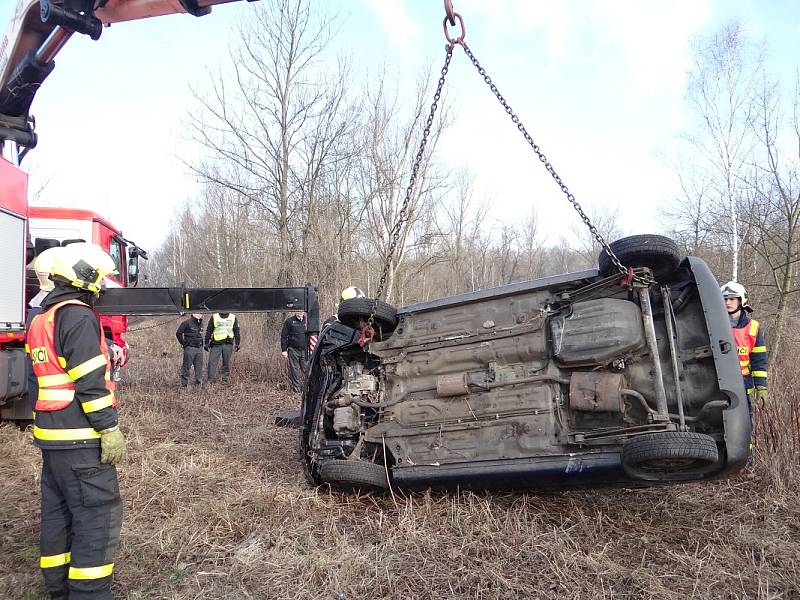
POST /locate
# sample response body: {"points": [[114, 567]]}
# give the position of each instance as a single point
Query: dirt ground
{"points": [[216, 506]]}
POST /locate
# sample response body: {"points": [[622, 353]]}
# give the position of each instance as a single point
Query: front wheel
{"points": [[669, 455], [354, 476]]}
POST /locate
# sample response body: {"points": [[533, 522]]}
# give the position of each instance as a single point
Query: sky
{"points": [[599, 85]]}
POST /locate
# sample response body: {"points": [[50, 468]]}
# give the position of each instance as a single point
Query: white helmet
{"points": [[735, 290], [82, 265], [351, 292], [43, 264]]}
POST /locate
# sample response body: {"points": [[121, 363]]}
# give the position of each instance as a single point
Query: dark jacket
{"points": [[293, 334], [190, 333], [210, 332], [77, 339]]}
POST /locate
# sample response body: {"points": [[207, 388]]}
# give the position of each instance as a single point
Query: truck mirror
{"points": [[133, 269]]}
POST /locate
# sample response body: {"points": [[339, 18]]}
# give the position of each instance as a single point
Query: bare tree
{"points": [[390, 141], [721, 89], [266, 123], [774, 206]]}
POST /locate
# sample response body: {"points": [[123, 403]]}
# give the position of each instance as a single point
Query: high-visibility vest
{"points": [[56, 384], [223, 327], [745, 338]]}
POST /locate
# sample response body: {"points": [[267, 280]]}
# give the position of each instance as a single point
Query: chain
{"points": [[394, 235], [159, 324], [543, 159]]}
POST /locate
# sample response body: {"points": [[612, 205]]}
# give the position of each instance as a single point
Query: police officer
{"points": [[77, 429], [294, 344], [190, 337], [749, 338], [222, 340]]}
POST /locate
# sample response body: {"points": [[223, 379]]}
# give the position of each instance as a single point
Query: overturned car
{"points": [[577, 379]]}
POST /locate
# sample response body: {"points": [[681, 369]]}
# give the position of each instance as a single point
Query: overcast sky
{"points": [[599, 84]]}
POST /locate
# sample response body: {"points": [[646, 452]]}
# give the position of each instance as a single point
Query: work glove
{"points": [[285, 354], [761, 396], [112, 446]]}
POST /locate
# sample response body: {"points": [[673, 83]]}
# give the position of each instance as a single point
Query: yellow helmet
{"points": [[351, 292], [43, 265], [82, 265]]}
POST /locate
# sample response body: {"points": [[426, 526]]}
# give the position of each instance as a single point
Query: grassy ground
{"points": [[216, 507]]}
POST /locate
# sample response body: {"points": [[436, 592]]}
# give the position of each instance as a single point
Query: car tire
{"points": [[355, 309], [657, 252], [354, 476], [669, 455]]}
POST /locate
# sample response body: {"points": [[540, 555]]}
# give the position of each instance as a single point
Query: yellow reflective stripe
{"points": [[52, 380], [56, 560], [758, 349], [98, 403], [63, 362], [47, 394], [64, 435], [91, 572], [87, 367], [759, 374], [27, 349], [753, 328]]}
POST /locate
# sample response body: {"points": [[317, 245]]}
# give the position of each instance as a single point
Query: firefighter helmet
{"points": [[82, 265], [352, 292], [43, 264], [735, 290]]}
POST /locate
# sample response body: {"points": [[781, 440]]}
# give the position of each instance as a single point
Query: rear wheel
{"points": [[669, 455], [657, 252], [354, 476]]}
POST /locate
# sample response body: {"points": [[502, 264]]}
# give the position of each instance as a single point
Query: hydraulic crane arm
{"points": [[39, 29]]}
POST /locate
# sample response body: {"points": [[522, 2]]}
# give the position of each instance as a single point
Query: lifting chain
{"points": [[368, 331], [451, 18]]}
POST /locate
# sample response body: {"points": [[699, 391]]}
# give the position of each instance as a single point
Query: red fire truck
{"points": [[38, 30]]}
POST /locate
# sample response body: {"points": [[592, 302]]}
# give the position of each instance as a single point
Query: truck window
{"points": [[117, 252]]}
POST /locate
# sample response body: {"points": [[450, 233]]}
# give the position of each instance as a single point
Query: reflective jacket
{"points": [[222, 330], [749, 338], [70, 360]]}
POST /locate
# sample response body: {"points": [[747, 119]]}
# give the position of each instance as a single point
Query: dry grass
{"points": [[216, 507]]}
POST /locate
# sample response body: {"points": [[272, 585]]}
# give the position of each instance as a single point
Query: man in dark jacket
{"points": [[77, 430], [293, 348], [190, 337], [222, 340]]}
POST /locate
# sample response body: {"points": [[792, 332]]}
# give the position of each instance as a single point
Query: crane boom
{"points": [[39, 29]]}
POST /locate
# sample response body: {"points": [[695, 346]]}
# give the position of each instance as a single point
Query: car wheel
{"points": [[669, 455], [354, 476], [656, 252], [357, 309]]}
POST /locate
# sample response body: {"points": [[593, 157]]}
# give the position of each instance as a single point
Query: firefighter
{"points": [[749, 338], [190, 337], [222, 340], [76, 427], [294, 345]]}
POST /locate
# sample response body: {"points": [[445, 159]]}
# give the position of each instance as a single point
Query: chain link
{"points": [[394, 235], [543, 159], [159, 324]]}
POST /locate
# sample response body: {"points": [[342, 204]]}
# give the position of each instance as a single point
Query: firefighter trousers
{"points": [[81, 521]]}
